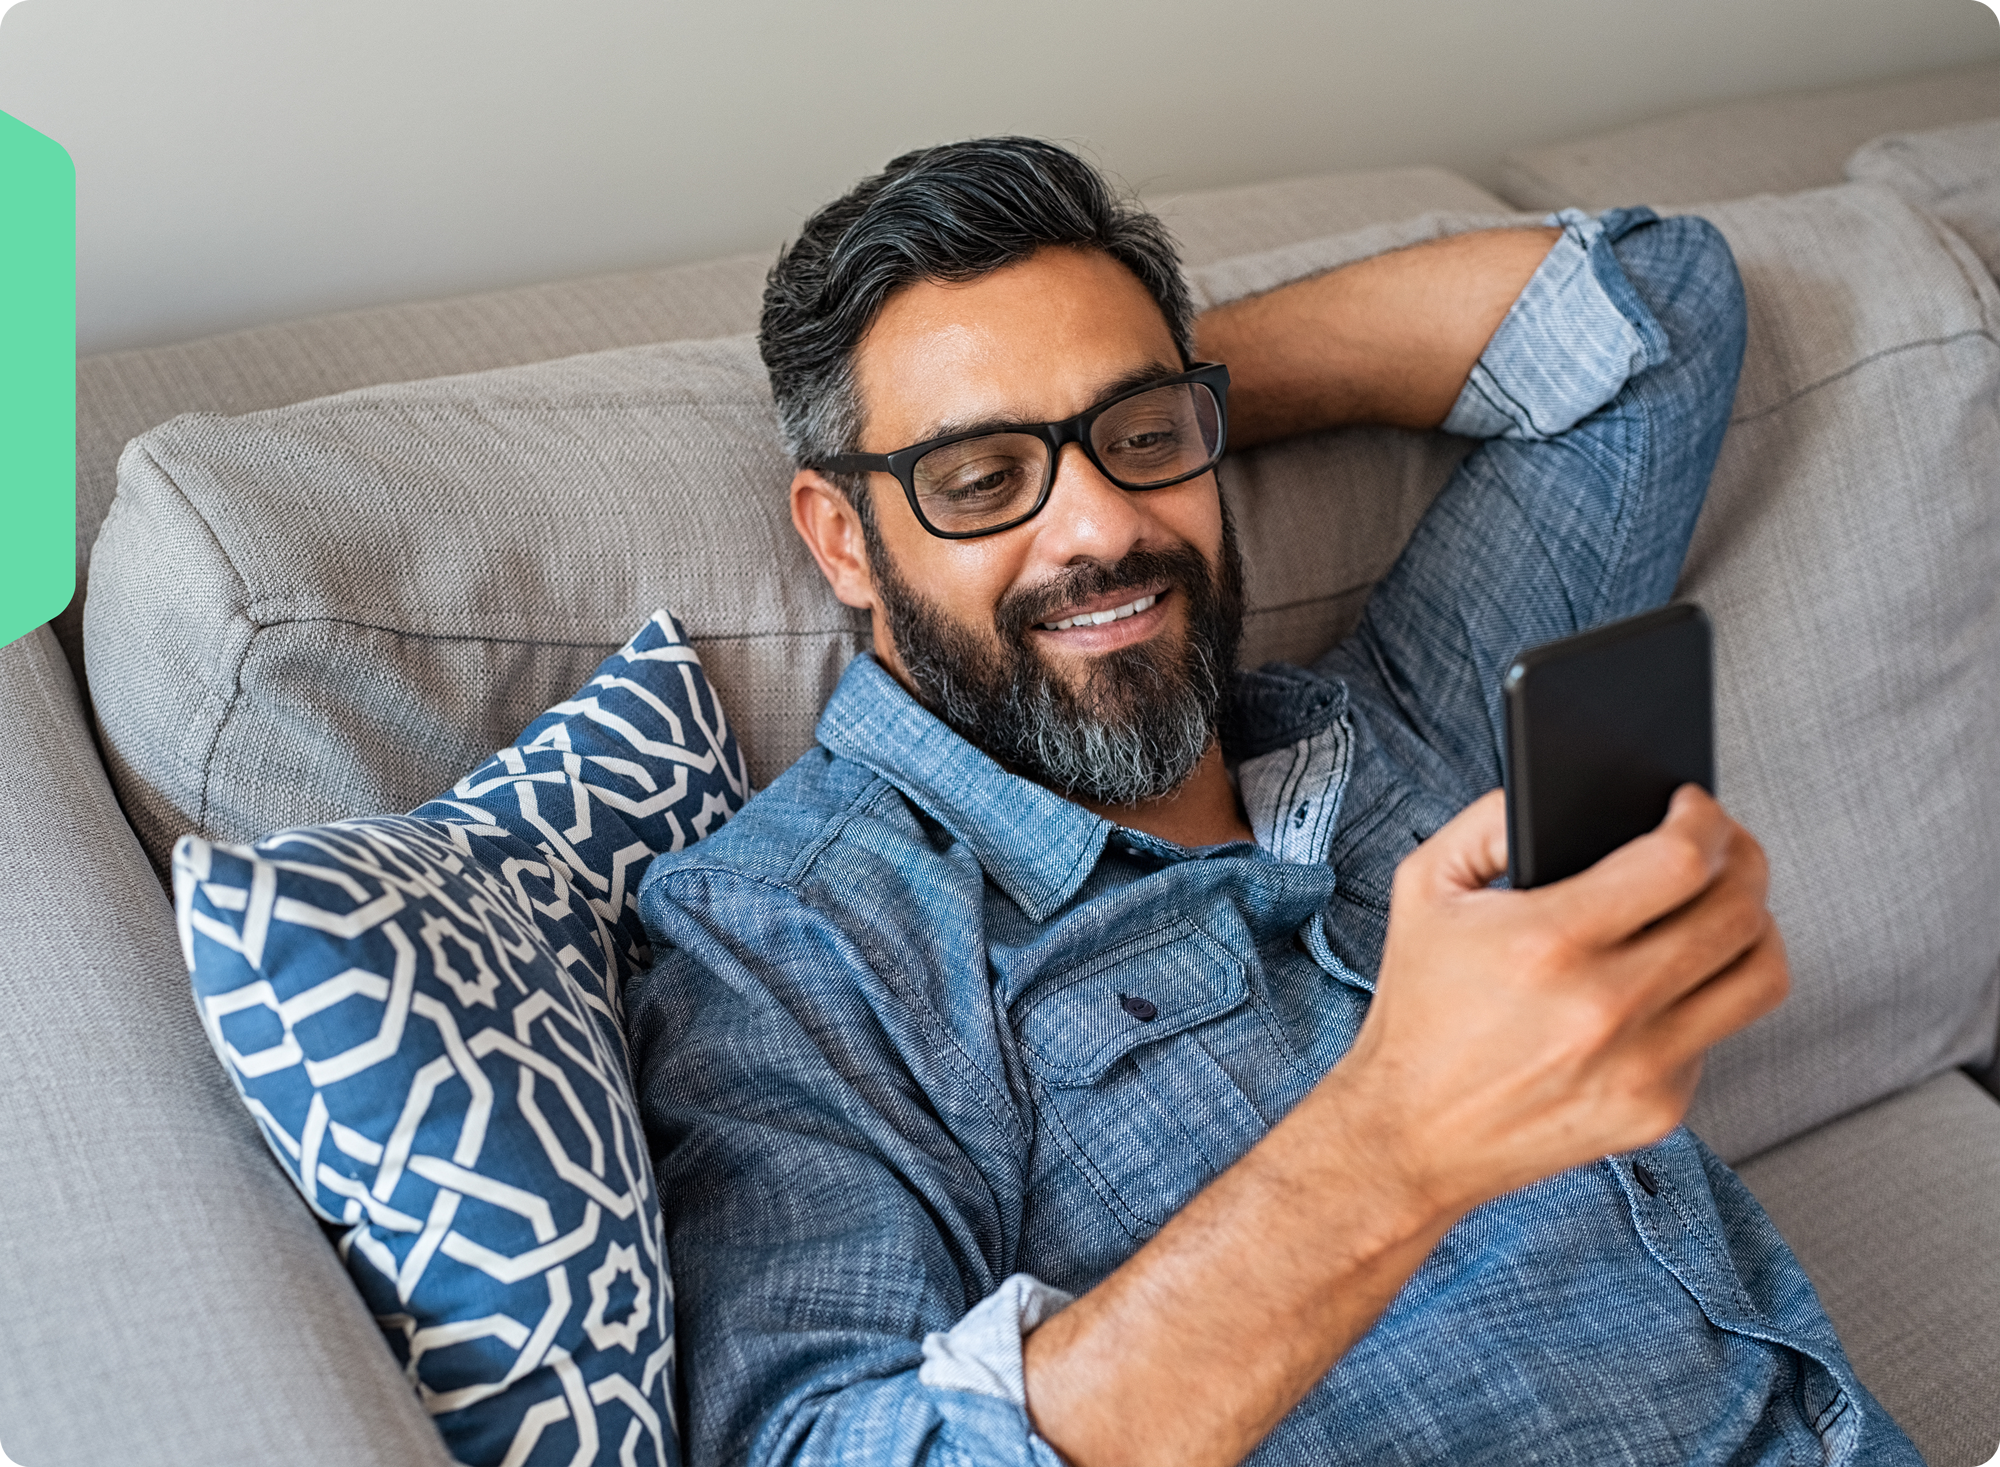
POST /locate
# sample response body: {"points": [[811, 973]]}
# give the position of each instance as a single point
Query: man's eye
{"points": [[1146, 443], [977, 483], [975, 487]]}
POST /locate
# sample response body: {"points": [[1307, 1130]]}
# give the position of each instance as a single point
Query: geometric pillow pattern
{"points": [[424, 1015]]}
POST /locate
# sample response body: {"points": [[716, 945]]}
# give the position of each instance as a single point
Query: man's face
{"points": [[997, 634]]}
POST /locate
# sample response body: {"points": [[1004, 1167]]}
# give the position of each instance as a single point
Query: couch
{"points": [[386, 539]]}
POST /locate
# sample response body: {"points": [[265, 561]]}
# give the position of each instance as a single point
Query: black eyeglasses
{"points": [[988, 480]]}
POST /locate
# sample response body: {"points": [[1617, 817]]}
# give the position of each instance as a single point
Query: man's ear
{"points": [[832, 532]]}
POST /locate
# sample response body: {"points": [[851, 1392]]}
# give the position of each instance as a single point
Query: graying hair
{"points": [[953, 213], [1108, 760], [1145, 715]]}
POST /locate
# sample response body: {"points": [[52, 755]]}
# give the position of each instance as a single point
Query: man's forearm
{"points": [[1194, 1350], [1385, 340], [1513, 1035]]}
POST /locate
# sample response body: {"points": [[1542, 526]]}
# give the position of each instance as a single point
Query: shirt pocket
{"points": [[1146, 1060]]}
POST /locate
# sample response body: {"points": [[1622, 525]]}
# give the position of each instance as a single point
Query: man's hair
{"points": [[950, 213]]}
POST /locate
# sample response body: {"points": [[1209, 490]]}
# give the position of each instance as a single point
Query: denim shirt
{"points": [[904, 1105]]}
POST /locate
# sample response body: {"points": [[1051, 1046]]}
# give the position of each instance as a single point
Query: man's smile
{"points": [[1102, 624], [1099, 618]]}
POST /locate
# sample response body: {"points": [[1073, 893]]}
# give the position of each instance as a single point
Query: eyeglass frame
{"points": [[903, 462]]}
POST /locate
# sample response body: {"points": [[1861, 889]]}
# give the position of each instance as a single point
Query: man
{"points": [[1087, 1055]]}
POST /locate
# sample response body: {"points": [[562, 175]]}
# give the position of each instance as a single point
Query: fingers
{"points": [[1468, 852], [1668, 912], [1647, 878], [1692, 944], [1738, 996]]}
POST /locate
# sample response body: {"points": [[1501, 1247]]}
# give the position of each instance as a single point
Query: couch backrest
{"points": [[1849, 553], [1952, 173], [122, 394], [335, 608], [1773, 144]]}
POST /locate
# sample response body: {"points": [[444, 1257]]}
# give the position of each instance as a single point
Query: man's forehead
{"points": [[1036, 340]]}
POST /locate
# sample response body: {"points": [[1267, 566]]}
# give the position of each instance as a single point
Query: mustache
{"points": [[1181, 567]]}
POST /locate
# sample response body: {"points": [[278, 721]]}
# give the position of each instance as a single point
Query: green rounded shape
{"points": [[37, 378]]}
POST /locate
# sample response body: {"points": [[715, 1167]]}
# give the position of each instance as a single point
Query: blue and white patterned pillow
{"points": [[424, 1014]]}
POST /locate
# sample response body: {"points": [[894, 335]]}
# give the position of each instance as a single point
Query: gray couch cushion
{"points": [[1952, 172], [366, 594], [1891, 1211], [1220, 223], [1765, 145], [339, 607], [165, 1298], [121, 394], [1850, 555], [333, 609]]}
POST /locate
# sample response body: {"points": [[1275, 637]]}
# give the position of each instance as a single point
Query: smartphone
{"points": [[1602, 728]]}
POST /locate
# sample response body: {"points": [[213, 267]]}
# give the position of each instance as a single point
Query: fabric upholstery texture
{"points": [[426, 1015], [1850, 557], [1952, 172], [363, 595], [1217, 224], [121, 394], [366, 593], [1765, 145], [165, 1298], [335, 609], [1891, 1210], [171, 1383]]}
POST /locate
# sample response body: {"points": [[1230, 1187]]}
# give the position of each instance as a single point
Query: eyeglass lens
{"points": [[1142, 441]]}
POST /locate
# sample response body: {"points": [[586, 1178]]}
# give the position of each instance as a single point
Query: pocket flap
{"points": [[1146, 990]]}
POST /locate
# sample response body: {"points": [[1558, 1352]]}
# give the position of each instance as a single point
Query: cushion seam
{"points": [[1314, 600], [242, 609], [611, 642], [1978, 333]]}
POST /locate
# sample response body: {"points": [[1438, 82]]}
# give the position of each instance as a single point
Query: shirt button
{"points": [[1139, 1008], [1645, 1179]]}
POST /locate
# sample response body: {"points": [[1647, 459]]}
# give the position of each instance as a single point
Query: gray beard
{"points": [[1143, 718]]}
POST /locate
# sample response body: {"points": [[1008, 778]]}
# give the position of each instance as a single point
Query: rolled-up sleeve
{"points": [[982, 1352], [1602, 400], [1571, 340], [967, 1404]]}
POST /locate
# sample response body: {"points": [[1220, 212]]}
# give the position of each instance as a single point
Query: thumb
{"points": [[1470, 849]]}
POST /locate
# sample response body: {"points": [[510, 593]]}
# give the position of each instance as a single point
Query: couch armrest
{"points": [[164, 1295]]}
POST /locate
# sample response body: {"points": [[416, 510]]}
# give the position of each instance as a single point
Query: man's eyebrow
{"points": [[1124, 382]]}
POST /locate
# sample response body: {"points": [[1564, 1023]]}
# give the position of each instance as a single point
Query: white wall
{"points": [[246, 160]]}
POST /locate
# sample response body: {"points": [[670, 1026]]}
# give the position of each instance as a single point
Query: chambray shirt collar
{"points": [[1035, 845], [1288, 725]]}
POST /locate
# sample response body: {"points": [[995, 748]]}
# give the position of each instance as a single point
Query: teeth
{"points": [[1099, 618]]}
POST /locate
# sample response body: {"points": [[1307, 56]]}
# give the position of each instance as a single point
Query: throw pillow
{"points": [[423, 1012]]}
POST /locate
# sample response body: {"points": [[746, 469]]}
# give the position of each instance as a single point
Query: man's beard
{"points": [[1144, 715]]}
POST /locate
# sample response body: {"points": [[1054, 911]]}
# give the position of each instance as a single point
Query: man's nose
{"points": [[1088, 517]]}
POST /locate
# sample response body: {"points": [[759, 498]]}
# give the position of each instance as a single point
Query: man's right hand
{"points": [[1516, 1034], [1513, 1035]]}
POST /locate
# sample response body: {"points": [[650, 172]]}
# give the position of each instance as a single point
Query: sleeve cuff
{"points": [[1569, 343], [982, 1352]]}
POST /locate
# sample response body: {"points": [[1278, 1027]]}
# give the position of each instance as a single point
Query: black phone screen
{"points": [[1601, 729]]}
